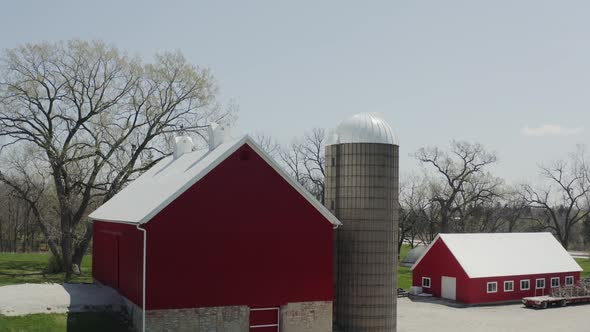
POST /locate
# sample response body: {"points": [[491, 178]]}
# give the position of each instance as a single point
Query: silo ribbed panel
{"points": [[362, 185]]}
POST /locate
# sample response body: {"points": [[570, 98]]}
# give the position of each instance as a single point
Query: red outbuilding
{"points": [[497, 267], [221, 239]]}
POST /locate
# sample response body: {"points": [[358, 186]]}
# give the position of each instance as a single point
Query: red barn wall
{"points": [[477, 288], [439, 261], [117, 258], [241, 236]]}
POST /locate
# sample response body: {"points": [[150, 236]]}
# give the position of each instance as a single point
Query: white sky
{"points": [[513, 75]]}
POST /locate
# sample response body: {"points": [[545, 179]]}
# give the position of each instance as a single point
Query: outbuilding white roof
{"points": [[151, 192], [507, 254], [363, 128]]}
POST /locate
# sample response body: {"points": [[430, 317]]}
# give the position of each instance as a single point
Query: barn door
{"points": [[264, 319], [449, 288]]}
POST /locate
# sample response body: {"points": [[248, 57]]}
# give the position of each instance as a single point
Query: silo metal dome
{"points": [[363, 128]]}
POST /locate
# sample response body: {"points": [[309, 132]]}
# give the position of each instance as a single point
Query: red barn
{"points": [[498, 267], [218, 240]]}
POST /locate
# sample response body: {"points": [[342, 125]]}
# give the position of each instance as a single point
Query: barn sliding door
{"points": [[264, 319], [111, 257], [449, 288]]}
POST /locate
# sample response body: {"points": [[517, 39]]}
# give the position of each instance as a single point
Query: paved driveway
{"points": [[436, 316], [16, 300]]}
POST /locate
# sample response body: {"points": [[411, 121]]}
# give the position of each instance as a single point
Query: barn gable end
{"points": [[439, 261], [485, 268], [239, 237], [155, 189], [225, 233]]}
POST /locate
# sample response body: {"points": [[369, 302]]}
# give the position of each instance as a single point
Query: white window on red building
{"points": [[525, 284], [425, 282], [492, 287], [555, 282], [569, 281], [540, 283], [508, 286]]}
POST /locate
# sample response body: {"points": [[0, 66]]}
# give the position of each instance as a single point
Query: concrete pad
{"points": [[440, 316], [25, 299], [579, 254]]}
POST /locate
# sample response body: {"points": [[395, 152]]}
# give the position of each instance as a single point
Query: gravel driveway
{"points": [[17, 300], [438, 316]]}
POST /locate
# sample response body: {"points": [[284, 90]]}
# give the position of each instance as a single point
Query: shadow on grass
{"points": [[95, 308], [72, 322], [97, 321]]}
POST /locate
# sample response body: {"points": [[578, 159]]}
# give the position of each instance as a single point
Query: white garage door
{"points": [[449, 288]]}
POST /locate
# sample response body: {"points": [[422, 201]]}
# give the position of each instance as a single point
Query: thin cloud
{"points": [[551, 130]]}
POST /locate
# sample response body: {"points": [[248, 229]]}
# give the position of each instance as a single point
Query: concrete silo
{"points": [[362, 185]]}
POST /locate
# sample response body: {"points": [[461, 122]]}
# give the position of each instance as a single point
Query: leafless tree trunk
{"points": [[268, 144], [460, 179], [564, 202], [415, 202], [95, 119], [305, 160]]}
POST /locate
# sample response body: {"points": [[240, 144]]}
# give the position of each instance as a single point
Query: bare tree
{"points": [[414, 201], [514, 212], [460, 180], [305, 160], [268, 144], [292, 158], [564, 201], [314, 161], [98, 119], [27, 185], [586, 232]]}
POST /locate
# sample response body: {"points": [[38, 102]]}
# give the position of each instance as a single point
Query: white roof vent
{"points": [[363, 128], [218, 134], [182, 144]]}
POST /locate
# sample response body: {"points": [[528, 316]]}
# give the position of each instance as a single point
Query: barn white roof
{"points": [[143, 198], [507, 254]]}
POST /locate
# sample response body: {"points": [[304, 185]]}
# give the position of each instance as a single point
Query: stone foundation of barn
{"points": [[294, 317], [306, 316]]}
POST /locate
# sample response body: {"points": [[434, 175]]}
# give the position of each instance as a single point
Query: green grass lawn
{"points": [[36, 262], [73, 322], [404, 275], [585, 264]]}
